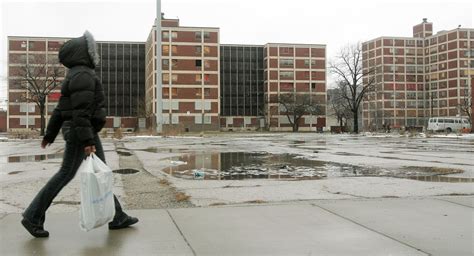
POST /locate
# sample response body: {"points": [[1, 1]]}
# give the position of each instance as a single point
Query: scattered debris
{"points": [[165, 182], [180, 197]]}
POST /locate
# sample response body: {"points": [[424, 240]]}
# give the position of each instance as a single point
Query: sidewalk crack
{"points": [[181, 232], [371, 229]]}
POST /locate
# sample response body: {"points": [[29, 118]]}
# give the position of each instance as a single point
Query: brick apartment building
{"points": [[190, 77], [418, 77], [205, 85], [121, 72], [299, 69]]}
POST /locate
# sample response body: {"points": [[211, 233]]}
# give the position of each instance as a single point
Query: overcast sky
{"points": [[335, 23]]}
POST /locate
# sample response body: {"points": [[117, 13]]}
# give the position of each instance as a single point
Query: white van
{"points": [[448, 124]]}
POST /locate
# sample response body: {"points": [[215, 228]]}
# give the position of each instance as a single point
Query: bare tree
{"points": [[294, 106], [339, 107], [265, 113], [39, 80], [349, 73], [466, 104]]}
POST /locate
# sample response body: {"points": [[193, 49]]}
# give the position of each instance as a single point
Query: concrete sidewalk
{"points": [[420, 226]]}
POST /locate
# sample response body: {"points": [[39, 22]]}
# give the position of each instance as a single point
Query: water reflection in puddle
{"points": [[262, 165], [31, 158], [242, 165]]}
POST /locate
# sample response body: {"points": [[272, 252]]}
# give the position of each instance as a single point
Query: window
{"points": [[198, 49], [174, 77], [165, 105], [166, 49], [166, 35], [198, 63], [207, 35], [285, 50], [197, 105], [174, 63], [166, 118], [25, 121], [207, 92], [27, 107], [198, 119], [198, 78], [175, 105], [207, 105], [166, 77], [286, 74], [207, 64], [174, 49], [207, 77], [286, 62], [207, 119], [313, 86], [166, 93], [175, 119], [198, 35], [174, 34], [165, 62], [174, 92], [207, 50]]}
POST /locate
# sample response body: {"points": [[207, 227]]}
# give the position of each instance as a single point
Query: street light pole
{"points": [[158, 87]]}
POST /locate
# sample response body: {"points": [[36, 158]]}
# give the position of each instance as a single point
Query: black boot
{"points": [[35, 230], [123, 222]]}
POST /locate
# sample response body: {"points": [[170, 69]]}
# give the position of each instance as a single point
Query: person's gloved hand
{"points": [[89, 149], [44, 143]]}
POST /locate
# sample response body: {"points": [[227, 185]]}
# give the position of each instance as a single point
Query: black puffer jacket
{"points": [[82, 96]]}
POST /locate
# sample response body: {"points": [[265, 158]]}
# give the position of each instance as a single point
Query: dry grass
{"points": [[181, 197], [23, 134], [118, 133], [164, 182], [103, 133], [435, 170]]}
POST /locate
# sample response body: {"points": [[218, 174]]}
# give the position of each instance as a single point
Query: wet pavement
{"points": [[409, 226], [263, 165]]}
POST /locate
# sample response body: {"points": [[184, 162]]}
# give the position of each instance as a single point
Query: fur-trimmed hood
{"points": [[80, 51]]}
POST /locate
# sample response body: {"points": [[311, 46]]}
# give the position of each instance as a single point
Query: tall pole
{"points": [[158, 99]]}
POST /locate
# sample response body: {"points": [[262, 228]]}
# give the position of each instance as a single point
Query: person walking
{"points": [[81, 114]]}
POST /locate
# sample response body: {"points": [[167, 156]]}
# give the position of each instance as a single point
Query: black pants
{"points": [[72, 159]]}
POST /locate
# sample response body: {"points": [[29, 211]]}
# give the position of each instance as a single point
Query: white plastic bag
{"points": [[97, 199]]}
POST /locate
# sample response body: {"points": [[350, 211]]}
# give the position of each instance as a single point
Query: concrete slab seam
{"points": [[371, 229], [181, 232], [440, 199], [4, 215]]}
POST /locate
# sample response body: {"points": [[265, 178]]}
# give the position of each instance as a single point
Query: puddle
{"points": [[440, 178], [125, 171], [33, 158], [262, 165], [163, 150], [242, 165], [347, 154], [124, 153]]}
